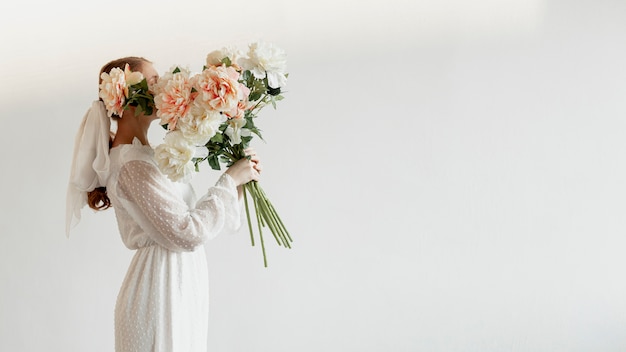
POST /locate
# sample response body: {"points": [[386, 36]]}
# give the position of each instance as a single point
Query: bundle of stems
{"points": [[265, 214], [221, 150]]}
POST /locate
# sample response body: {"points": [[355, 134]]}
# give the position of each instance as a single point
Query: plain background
{"points": [[451, 172]]}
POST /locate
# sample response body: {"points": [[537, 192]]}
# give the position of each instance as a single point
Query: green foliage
{"points": [[140, 97], [250, 125], [273, 91], [226, 61], [214, 161], [258, 87]]}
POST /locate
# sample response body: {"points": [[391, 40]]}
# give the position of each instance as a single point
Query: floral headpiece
{"points": [[121, 89]]}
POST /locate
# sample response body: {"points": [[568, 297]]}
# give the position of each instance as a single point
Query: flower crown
{"points": [[120, 89]]}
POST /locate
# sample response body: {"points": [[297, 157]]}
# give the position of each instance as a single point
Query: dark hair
{"points": [[98, 198]]}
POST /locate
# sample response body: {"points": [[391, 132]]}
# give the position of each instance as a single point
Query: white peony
{"points": [[174, 156], [266, 60], [200, 124]]}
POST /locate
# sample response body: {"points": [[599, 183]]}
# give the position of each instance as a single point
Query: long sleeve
{"points": [[170, 221]]}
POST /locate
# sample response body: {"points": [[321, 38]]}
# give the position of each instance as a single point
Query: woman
{"points": [[163, 302]]}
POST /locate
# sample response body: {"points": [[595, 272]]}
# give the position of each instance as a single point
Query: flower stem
{"points": [[270, 218], [275, 213], [275, 218], [245, 200], [258, 217], [261, 209]]}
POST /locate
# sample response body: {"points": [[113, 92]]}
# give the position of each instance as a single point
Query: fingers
{"points": [[254, 158]]}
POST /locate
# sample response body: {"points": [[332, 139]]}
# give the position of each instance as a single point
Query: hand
{"points": [[244, 170]]}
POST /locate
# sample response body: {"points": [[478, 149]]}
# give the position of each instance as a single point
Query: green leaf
{"points": [[255, 95], [246, 139], [217, 138], [214, 162], [226, 161], [273, 91], [196, 164], [176, 70], [226, 61], [164, 126]]}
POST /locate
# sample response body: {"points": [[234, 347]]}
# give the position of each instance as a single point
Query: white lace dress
{"points": [[162, 305]]}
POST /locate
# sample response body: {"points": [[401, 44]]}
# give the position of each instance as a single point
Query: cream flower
{"points": [[266, 60], [218, 88], [235, 130], [113, 91], [215, 58], [173, 97], [174, 155], [200, 124], [132, 78]]}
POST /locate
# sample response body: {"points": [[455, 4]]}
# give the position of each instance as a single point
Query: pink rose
{"points": [[218, 88], [174, 98], [243, 105], [113, 91]]}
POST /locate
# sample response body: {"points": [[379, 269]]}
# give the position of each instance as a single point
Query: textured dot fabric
{"points": [[163, 303]]}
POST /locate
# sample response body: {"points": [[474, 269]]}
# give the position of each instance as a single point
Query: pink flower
{"points": [[243, 105], [174, 97], [113, 91], [218, 88]]}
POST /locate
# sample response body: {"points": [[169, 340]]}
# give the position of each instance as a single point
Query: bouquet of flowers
{"points": [[210, 116], [120, 89]]}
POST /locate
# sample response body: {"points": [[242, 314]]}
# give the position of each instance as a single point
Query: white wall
{"points": [[451, 173]]}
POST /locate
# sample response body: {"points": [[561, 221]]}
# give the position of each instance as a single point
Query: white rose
{"points": [[174, 155], [264, 59]]}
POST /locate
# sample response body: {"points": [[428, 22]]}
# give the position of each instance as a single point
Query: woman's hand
{"points": [[244, 170]]}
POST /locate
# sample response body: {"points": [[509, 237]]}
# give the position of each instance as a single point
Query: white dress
{"points": [[162, 305]]}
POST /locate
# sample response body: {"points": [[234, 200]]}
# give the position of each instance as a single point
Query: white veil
{"points": [[90, 165]]}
